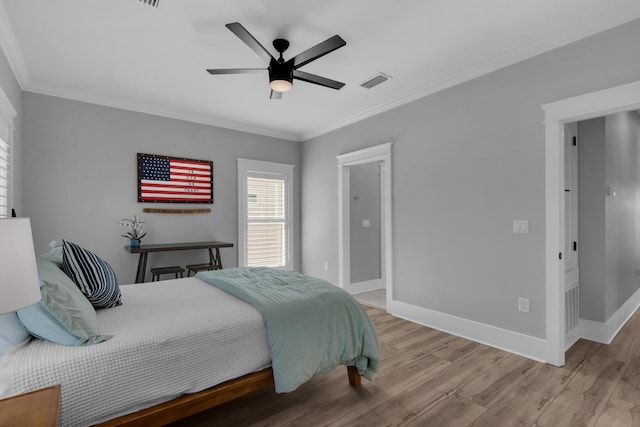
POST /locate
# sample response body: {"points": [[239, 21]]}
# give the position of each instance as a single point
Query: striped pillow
{"points": [[95, 278]]}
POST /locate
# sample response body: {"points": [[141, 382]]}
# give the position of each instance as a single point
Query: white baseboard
{"points": [[605, 332], [593, 331], [366, 286], [513, 342]]}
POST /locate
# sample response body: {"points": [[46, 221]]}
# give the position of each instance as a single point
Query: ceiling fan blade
{"points": [[275, 95], [317, 51], [315, 79], [236, 70], [244, 35]]}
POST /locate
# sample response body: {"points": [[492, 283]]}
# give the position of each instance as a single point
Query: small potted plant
{"points": [[135, 233]]}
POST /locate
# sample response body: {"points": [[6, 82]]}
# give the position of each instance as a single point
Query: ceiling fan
{"points": [[281, 72]]}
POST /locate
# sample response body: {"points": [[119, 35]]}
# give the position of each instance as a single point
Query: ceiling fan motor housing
{"points": [[280, 71]]}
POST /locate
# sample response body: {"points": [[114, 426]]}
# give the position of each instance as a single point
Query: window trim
{"points": [[7, 116], [246, 168]]}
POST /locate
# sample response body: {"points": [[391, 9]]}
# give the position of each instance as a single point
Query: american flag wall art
{"points": [[165, 179]]}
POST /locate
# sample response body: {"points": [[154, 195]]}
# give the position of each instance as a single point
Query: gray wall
{"points": [[609, 154], [622, 247], [365, 205], [467, 161], [11, 88], [81, 178]]}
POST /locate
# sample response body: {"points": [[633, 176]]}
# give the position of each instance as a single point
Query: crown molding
{"points": [[164, 112], [568, 35], [11, 49]]}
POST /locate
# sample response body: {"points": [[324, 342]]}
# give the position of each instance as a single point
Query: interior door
{"points": [[571, 273]]}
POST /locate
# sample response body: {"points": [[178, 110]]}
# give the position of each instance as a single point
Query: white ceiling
{"points": [[127, 54]]}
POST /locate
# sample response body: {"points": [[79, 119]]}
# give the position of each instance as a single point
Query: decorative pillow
{"points": [[55, 254], [12, 332], [95, 278], [64, 315]]}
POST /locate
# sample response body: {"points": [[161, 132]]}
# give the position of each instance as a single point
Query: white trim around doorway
{"points": [[376, 154], [596, 104]]}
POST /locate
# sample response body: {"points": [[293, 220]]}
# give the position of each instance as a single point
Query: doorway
{"points": [[557, 114], [376, 158]]}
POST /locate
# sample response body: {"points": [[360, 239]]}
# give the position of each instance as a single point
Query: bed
{"points": [[179, 347]]}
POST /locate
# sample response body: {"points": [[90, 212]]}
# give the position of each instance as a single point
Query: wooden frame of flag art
{"points": [[166, 179]]}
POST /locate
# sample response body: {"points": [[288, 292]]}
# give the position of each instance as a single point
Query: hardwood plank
{"points": [[494, 383], [414, 400], [629, 387], [548, 380], [370, 419], [584, 398], [454, 349], [619, 413], [520, 407], [453, 411]]}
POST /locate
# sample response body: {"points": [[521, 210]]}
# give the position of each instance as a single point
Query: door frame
{"points": [[571, 257], [376, 154], [595, 104]]}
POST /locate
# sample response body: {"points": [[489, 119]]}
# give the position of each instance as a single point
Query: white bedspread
{"points": [[170, 337]]}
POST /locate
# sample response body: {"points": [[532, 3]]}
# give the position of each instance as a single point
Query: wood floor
{"points": [[430, 378]]}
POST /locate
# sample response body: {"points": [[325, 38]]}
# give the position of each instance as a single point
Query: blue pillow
{"points": [[12, 332], [94, 276], [64, 315]]}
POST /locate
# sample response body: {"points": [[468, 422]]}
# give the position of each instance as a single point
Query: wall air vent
{"points": [[375, 80]]}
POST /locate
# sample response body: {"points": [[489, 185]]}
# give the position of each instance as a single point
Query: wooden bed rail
{"points": [[191, 404]]}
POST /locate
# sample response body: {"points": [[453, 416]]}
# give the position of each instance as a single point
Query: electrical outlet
{"points": [[523, 304], [326, 266]]}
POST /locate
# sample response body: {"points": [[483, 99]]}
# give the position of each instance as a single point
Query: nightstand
{"points": [[35, 409]]}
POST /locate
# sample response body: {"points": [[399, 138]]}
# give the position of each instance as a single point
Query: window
{"points": [[264, 208], [7, 114]]}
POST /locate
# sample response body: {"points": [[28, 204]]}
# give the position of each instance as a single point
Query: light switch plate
{"points": [[365, 223], [520, 226]]}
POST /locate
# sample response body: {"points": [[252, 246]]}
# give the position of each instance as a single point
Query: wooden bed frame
{"points": [[190, 404]]}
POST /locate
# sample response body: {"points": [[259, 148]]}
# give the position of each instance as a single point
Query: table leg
{"points": [[142, 267], [212, 260], [215, 260], [218, 259]]}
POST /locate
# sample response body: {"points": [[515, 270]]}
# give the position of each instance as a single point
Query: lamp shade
{"points": [[19, 283]]}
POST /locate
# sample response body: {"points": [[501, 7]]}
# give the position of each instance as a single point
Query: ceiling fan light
{"points": [[280, 85]]}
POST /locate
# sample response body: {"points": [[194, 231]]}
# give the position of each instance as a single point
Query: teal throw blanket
{"points": [[312, 325]]}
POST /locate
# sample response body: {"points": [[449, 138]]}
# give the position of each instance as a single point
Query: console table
{"points": [[144, 251]]}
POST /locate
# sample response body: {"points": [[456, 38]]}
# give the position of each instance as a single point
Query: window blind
{"points": [[4, 178], [266, 222]]}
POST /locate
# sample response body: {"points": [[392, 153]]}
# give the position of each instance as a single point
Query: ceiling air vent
{"points": [[375, 80], [151, 2]]}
